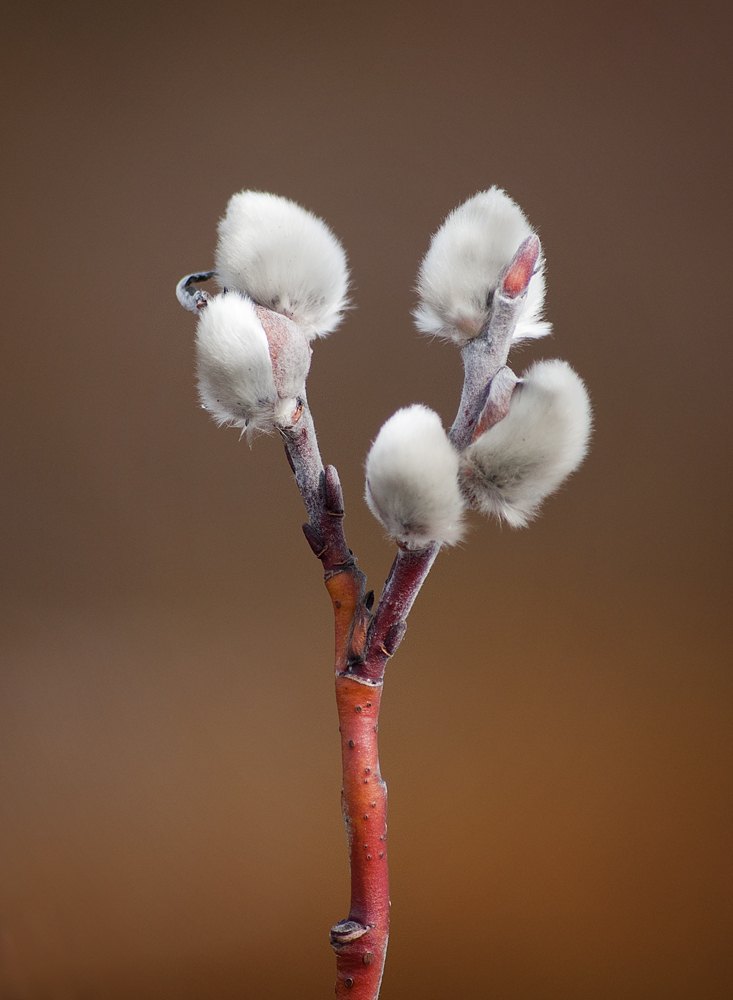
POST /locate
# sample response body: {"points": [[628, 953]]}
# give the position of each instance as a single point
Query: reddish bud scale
{"points": [[289, 351], [522, 267], [498, 400], [360, 962]]}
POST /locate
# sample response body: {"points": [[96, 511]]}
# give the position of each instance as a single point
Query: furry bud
{"points": [[463, 267], [412, 480], [234, 368], [510, 469], [285, 258]]}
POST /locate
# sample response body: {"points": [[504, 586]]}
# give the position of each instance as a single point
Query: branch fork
{"points": [[365, 639]]}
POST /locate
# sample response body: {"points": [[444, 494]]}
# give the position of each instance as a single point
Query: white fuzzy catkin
{"points": [[515, 464], [412, 480], [461, 270], [233, 364], [285, 258]]}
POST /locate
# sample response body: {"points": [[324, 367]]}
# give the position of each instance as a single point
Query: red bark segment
{"points": [[360, 961], [363, 647]]}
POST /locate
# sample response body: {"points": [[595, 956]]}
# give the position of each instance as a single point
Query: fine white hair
{"points": [[461, 270], [515, 464], [285, 258], [412, 480], [233, 364]]}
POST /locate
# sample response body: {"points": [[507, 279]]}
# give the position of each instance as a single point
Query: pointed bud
{"points": [[284, 258], [521, 268], [412, 480], [510, 469], [466, 263], [234, 368]]}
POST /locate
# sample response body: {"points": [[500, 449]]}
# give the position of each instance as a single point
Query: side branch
{"points": [[405, 579]]}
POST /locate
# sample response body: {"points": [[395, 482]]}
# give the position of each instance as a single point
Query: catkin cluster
{"points": [[284, 282]]}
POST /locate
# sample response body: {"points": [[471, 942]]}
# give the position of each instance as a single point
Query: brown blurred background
{"points": [[556, 727]]}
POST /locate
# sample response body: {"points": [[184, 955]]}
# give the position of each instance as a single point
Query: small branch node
{"points": [[346, 931]]}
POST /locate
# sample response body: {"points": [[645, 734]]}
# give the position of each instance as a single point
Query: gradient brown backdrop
{"points": [[556, 727]]}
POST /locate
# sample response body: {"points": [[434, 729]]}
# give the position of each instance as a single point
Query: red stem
{"points": [[360, 942], [362, 647]]}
